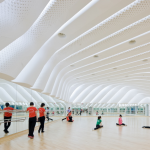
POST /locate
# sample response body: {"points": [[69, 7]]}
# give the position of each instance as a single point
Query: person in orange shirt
{"points": [[69, 117], [42, 117], [7, 117], [32, 119]]}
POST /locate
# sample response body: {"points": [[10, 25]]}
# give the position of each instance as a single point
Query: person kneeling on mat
{"points": [[99, 123], [120, 121]]}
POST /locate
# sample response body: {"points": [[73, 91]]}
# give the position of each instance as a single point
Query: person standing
{"points": [[32, 119], [68, 111], [47, 113], [42, 115], [7, 117], [80, 111]]}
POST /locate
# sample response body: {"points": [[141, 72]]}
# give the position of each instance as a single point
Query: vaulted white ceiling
{"points": [[79, 51]]}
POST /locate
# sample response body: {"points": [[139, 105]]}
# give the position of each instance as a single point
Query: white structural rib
{"points": [[16, 17], [84, 93], [16, 96], [92, 46], [74, 30], [44, 27], [110, 94], [137, 98], [146, 100], [4, 96]]}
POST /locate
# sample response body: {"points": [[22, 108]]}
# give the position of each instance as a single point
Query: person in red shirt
{"points": [[42, 117], [69, 117], [7, 117], [32, 119]]}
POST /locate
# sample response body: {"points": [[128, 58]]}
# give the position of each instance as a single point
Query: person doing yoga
{"points": [[146, 127], [69, 117], [120, 121], [99, 123]]}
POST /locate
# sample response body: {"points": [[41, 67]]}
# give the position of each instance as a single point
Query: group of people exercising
{"points": [[33, 118], [99, 122]]}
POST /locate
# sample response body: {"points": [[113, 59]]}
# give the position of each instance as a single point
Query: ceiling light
{"points": [[93, 74], [145, 60], [132, 42], [62, 35], [126, 76], [114, 68], [95, 56], [72, 65], [77, 78]]}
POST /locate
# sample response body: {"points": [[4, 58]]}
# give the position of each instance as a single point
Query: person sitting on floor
{"points": [[99, 123], [70, 119], [97, 113], [146, 127], [120, 121], [66, 117]]}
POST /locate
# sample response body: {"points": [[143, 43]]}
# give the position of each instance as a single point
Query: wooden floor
{"points": [[79, 136]]}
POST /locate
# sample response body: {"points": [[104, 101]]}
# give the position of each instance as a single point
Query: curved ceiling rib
{"points": [[56, 15], [29, 43], [94, 47], [50, 64], [16, 18], [92, 52], [83, 93], [13, 93], [128, 96]]}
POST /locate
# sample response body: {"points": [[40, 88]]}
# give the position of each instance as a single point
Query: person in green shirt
{"points": [[98, 124]]}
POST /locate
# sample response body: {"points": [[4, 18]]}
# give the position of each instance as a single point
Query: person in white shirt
{"points": [[47, 114], [68, 111]]}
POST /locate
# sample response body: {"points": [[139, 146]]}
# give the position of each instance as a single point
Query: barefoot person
{"points": [[32, 119]]}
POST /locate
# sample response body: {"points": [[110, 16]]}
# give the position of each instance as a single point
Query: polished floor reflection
{"points": [[79, 135]]}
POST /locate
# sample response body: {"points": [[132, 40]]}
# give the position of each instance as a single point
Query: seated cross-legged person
{"points": [[120, 121]]}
